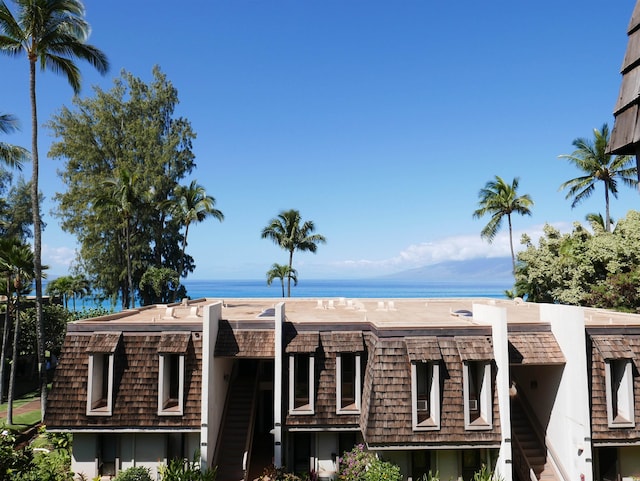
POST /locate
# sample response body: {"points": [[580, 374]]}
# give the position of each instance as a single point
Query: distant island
{"points": [[490, 270]]}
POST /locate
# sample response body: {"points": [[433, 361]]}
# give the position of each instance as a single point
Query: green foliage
{"points": [[163, 282], [430, 476], [50, 466], [12, 461], [130, 129], [361, 465], [90, 312], [485, 474], [600, 269], [137, 473], [272, 473], [55, 320], [183, 470]]}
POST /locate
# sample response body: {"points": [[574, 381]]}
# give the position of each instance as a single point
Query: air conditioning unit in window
{"points": [[423, 405], [473, 404]]}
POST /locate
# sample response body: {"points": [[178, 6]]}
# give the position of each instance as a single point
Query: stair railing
{"points": [[521, 463], [540, 434], [252, 417]]}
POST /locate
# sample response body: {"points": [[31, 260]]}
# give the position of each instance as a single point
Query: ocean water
{"points": [[352, 288], [349, 288]]}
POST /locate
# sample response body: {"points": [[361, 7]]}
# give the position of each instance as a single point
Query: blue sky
{"points": [[378, 120]]}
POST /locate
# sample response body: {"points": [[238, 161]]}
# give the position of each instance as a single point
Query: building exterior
{"points": [[534, 391]]}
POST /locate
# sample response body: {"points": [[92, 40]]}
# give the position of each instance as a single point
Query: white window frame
{"points": [[164, 385], [98, 362], [432, 423], [619, 393], [355, 407], [483, 372], [308, 408]]}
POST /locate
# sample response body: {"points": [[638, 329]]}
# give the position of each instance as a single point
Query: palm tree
{"points": [[120, 196], [6, 245], [597, 221], [53, 33], [11, 155], [19, 262], [287, 231], [193, 205], [280, 271], [591, 158], [500, 199]]}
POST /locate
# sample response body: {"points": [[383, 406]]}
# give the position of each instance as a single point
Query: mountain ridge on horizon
{"points": [[498, 269]]}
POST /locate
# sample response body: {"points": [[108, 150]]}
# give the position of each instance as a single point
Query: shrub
{"points": [[271, 473], [382, 471], [137, 473], [354, 463], [182, 470]]}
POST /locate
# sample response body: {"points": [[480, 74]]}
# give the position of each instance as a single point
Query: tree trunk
{"points": [[37, 237], [5, 341], [607, 222], [131, 302], [289, 273], [14, 362], [513, 256]]}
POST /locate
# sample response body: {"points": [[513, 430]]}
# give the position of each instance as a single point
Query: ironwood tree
{"points": [[125, 227]]}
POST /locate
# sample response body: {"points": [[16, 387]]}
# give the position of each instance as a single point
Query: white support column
{"points": [[497, 317], [277, 385], [209, 417]]}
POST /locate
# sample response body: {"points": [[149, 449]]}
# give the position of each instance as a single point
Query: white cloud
{"points": [[58, 259], [454, 248]]}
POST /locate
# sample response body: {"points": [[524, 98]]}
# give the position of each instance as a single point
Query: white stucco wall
{"points": [[497, 318], [83, 454], [569, 429], [150, 451], [216, 373]]}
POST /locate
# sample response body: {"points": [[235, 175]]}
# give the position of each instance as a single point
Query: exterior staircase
{"points": [[234, 450], [530, 460]]}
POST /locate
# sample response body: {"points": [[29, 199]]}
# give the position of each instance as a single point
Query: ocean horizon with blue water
{"points": [[349, 288], [314, 288]]}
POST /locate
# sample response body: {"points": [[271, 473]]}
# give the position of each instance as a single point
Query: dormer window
{"points": [[348, 385], [349, 349], [301, 350], [476, 354], [618, 376], [171, 353], [424, 354], [100, 382]]}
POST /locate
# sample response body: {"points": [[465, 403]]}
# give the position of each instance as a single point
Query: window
{"points": [[476, 377], [348, 390], [301, 382], [171, 384], [425, 395], [619, 387], [100, 386]]}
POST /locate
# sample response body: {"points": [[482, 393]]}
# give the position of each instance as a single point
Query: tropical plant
{"points": [[53, 33], [11, 155], [590, 157], [354, 464], [431, 476], [19, 262], [183, 470], [596, 221], [281, 271], [193, 204], [500, 199], [134, 473], [291, 234]]}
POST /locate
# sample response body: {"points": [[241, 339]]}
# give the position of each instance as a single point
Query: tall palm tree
{"points": [[194, 205], [11, 155], [288, 231], [53, 33], [500, 199], [591, 158], [6, 245], [281, 271]]}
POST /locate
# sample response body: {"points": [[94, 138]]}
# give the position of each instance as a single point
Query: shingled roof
{"points": [[625, 136], [539, 348], [387, 412], [604, 348], [135, 397]]}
